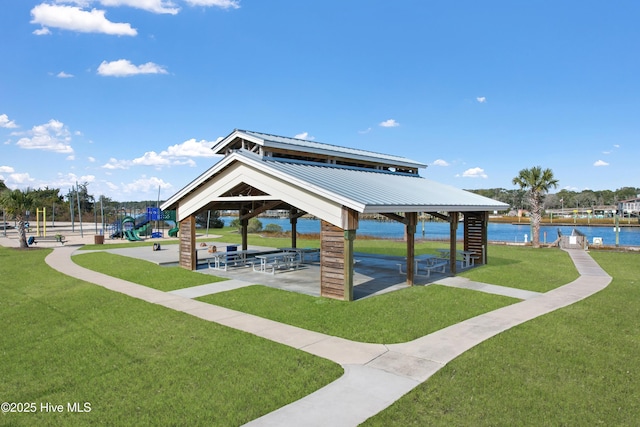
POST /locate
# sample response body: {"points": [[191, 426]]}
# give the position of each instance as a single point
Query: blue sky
{"points": [[129, 95]]}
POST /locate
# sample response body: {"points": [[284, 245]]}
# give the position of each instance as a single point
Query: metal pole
{"points": [[101, 215], [73, 224], [79, 210]]}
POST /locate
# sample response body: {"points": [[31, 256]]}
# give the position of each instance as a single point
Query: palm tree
{"points": [[17, 203], [537, 183]]}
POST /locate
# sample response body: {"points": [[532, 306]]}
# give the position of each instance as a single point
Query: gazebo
{"points": [[261, 172]]}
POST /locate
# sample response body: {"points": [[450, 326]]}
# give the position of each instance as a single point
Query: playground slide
{"points": [[132, 236], [174, 232], [140, 224]]}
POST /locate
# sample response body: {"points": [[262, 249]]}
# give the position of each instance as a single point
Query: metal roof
{"points": [[364, 190], [303, 145], [377, 191]]}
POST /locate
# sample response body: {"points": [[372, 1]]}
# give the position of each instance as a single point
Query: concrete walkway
{"points": [[376, 375]]}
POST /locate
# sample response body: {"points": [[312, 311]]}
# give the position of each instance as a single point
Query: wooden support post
{"points": [[453, 226], [349, 225], [187, 237], [294, 229], [244, 225], [349, 237], [410, 237], [485, 237]]}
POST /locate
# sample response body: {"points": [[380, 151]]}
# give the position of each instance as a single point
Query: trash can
{"points": [[98, 239]]}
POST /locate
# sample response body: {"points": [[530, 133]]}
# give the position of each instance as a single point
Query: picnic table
{"points": [[275, 261], [428, 263], [466, 259], [302, 253], [223, 259]]}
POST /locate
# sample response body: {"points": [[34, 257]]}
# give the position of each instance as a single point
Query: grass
{"points": [[143, 272], [538, 270], [395, 317], [65, 340], [390, 318], [576, 366]]}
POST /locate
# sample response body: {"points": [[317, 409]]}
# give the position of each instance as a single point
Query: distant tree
{"points": [[254, 225], [17, 203], [625, 193], [214, 219], [273, 228], [536, 182]]}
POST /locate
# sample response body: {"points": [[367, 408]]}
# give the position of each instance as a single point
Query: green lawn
{"points": [[135, 363], [394, 317], [143, 272], [525, 268], [578, 366]]}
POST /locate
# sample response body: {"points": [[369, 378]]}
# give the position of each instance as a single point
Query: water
{"points": [[628, 236]]}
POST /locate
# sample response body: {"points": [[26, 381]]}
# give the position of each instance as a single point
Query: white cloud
{"points": [[474, 173], [6, 169], [91, 159], [155, 6], [75, 19], [191, 148], [224, 4], [63, 75], [391, 123], [114, 163], [367, 130], [44, 31], [124, 68], [440, 162], [52, 136], [151, 158], [175, 155], [20, 179], [6, 123], [68, 180], [600, 163], [304, 135], [481, 99], [145, 185]]}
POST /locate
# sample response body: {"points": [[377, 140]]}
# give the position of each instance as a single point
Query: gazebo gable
{"points": [[257, 185]]}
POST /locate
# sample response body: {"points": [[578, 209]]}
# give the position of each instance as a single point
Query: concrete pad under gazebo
{"points": [[261, 172]]}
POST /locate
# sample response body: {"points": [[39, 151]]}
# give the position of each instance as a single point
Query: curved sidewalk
{"points": [[376, 375]]}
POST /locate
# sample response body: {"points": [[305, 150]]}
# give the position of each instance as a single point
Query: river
{"points": [[516, 233]]}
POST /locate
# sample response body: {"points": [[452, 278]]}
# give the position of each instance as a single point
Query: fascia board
{"points": [[370, 209]]}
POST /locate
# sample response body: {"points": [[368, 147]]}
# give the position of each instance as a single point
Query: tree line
{"points": [[518, 199]]}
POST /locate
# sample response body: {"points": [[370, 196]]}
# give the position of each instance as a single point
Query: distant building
{"points": [[629, 207]]}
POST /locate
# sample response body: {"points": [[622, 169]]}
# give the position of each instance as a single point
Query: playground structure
{"points": [[134, 228]]}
